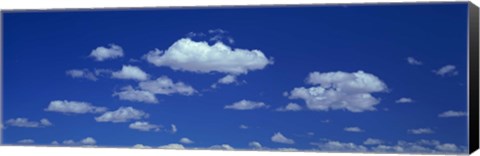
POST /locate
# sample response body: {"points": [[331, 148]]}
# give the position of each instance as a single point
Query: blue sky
{"points": [[380, 78]]}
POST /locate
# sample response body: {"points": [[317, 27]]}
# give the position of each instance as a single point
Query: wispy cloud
{"points": [[452, 113], [246, 105], [280, 138], [421, 131], [122, 114], [75, 107], [26, 123], [447, 70]]}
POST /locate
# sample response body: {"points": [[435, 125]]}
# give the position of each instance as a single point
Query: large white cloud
{"points": [[144, 126], [452, 113], [188, 55], [130, 94], [130, 72], [104, 53], [164, 85], [25, 122], [340, 90], [78, 107], [246, 105], [82, 73], [122, 114], [447, 70], [280, 138]]}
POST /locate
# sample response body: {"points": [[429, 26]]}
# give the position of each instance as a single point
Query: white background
{"points": [[88, 4]]}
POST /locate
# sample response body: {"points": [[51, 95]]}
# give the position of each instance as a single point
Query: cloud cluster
{"points": [[130, 94], [246, 105], [336, 146], [222, 147], [82, 73], [122, 114], [76, 107], [421, 131], [172, 146], [104, 53], [85, 141], [290, 107], [420, 146], [144, 126], [340, 90], [164, 85], [24, 122], [280, 138]]}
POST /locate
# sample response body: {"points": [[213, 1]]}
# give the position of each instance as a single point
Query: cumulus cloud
{"points": [[452, 113], [141, 146], [372, 141], [130, 72], [188, 55], [421, 131], [220, 35], [246, 105], [24, 122], [144, 126], [77, 107], [280, 138], [336, 146], [85, 141], [88, 141], [186, 141], [447, 147], [340, 90], [26, 141], [228, 79], [448, 70], [287, 149], [104, 53], [255, 145], [172, 146], [122, 114], [290, 107], [419, 146], [353, 129], [404, 100], [222, 147], [413, 61], [130, 94], [164, 85], [82, 73]]}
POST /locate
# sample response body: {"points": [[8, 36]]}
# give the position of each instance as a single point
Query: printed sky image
{"points": [[355, 78]]}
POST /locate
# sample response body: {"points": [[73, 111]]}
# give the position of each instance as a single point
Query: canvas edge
{"points": [[473, 78]]}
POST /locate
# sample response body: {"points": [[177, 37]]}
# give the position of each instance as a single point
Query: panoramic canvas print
{"points": [[317, 78]]}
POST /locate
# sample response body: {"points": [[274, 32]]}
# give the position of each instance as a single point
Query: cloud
{"points": [[353, 129], [243, 126], [55, 143], [200, 57], [141, 146], [164, 85], [452, 113], [24, 122], [128, 93], [421, 131], [123, 114], [246, 105], [290, 107], [228, 79], [222, 147], [447, 147], [26, 141], [85, 141], [82, 73], [372, 141], [186, 141], [340, 90], [174, 128], [130, 72], [88, 141], [419, 146], [279, 138], [76, 107], [336, 146], [104, 53], [68, 142], [219, 35], [448, 70], [255, 145], [287, 149], [404, 100], [413, 61], [144, 126], [172, 146]]}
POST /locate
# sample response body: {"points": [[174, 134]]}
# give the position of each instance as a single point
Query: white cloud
{"points": [[88, 141], [243, 126], [130, 72], [222, 147], [448, 70], [77, 107], [287, 149], [420, 146], [174, 128], [130, 94], [413, 61], [82, 73], [26, 141], [123, 114], [290, 107], [200, 57], [447, 147], [172, 146], [337, 146], [104, 53], [228, 79], [55, 143], [24, 122], [164, 85], [68, 142], [246, 105], [421, 131], [340, 90], [353, 129], [279, 138], [186, 141], [85, 141], [452, 113], [255, 145], [141, 146], [372, 141], [404, 100], [144, 126]]}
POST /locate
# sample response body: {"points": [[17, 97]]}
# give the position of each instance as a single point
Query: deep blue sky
{"points": [[39, 47]]}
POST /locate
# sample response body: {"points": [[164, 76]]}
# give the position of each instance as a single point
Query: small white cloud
{"points": [[336, 146], [141, 146], [76, 107], [413, 61], [164, 85], [404, 100], [222, 147], [228, 79], [243, 126], [130, 72], [452, 113], [353, 129], [200, 57], [172, 146], [55, 143], [287, 149], [45, 122], [122, 114], [246, 105], [448, 70], [280, 138], [290, 107], [255, 145], [186, 141], [174, 128], [88, 141], [420, 146], [85, 141], [24, 122], [128, 93], [82, 73], [26, 141], [421, 131], [144, 126], [447, 147], [372, 141], [104, 53], [68, 142]]}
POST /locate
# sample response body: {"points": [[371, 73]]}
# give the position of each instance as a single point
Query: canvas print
{"points": [[376, 78]]}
